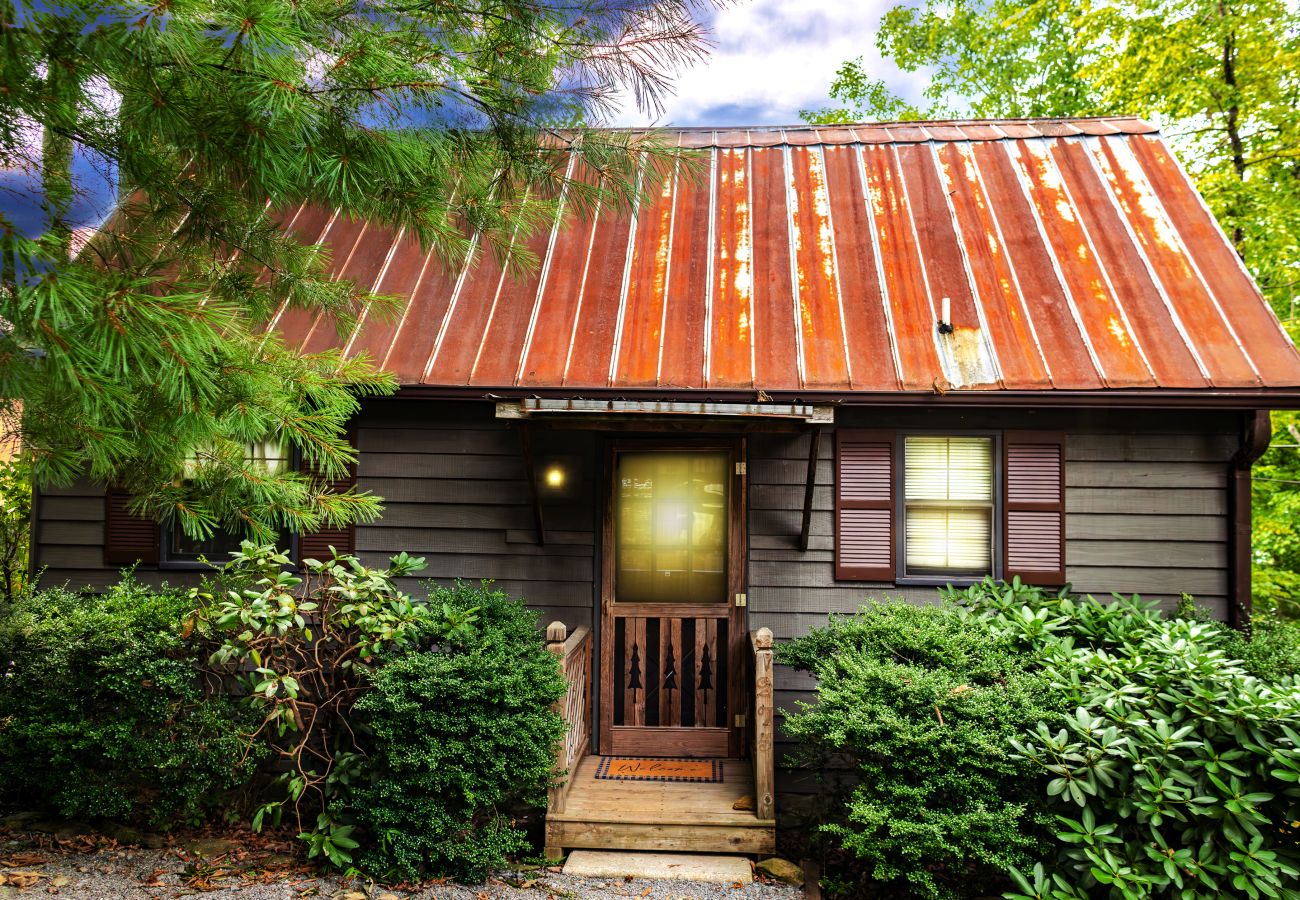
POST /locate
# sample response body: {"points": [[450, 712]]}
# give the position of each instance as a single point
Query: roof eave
{"points": [[1136, 398]]}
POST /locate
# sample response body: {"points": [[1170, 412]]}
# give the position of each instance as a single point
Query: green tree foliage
{"points": [[461, 735], [924, 702], [1223, 77], [102, 712], [218, 120], [15, 527], [1276, 530]]}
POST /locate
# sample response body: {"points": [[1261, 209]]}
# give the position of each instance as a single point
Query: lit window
{"points": [[276, 456], [948, 506]]}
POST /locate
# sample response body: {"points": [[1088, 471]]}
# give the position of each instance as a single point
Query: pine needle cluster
{"points": [[144, 357]]}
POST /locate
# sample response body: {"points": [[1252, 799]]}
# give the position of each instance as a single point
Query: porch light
{"points": [[554, 477]]}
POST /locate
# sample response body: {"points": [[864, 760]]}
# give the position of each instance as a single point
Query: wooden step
{"points": [[664, 816]]}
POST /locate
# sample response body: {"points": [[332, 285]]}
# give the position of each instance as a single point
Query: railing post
{"points": [[764, 727], [556, 634]]}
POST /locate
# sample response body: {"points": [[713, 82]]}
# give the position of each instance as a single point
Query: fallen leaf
{"points": [[22, 879], [646, 892], [24, 859]]}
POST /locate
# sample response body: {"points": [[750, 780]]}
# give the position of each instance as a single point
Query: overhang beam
{"points": [[540, 406]]}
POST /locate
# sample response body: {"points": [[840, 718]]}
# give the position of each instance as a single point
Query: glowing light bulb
{"points": [[554, 477]]}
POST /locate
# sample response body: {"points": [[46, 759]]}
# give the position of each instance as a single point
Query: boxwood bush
{"points": [[923, 703], [461, 736], [102, 713]]}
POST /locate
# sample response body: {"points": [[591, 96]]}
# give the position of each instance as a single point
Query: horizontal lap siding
{"points": [[69, 542], [453, 478], [1146, 512]]}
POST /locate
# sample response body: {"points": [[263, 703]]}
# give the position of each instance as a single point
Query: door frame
{"points": [[679, 741]]}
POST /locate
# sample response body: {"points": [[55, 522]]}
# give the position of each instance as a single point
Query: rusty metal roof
{"points": [[1076, 256]]}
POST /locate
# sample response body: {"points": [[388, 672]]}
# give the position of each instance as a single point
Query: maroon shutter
{"points": [[864, 505], [316, 544], [1034, 506], [128, 538]]}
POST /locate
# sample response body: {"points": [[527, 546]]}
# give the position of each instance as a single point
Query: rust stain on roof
{"points": [[1075, 255]]}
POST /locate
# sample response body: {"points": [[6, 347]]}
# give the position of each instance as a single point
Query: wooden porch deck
{"points": [[656, 815], [586, 812]]}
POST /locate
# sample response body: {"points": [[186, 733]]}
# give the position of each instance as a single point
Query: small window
{"points": [[275, 455], [947, 506]]}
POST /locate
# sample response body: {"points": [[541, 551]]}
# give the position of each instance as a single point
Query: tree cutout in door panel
{"points": [[706, 672], [634, 673]]}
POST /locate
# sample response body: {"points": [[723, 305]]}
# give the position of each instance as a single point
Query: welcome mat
{"points": [[645, 768]]}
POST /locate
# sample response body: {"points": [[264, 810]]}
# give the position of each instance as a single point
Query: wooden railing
{"points": [[574, 651], [764, 734]]}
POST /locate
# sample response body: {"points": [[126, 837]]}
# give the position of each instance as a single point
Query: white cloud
{"points": [[775, 57]]}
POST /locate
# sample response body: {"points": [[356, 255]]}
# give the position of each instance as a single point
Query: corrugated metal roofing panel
{"points": [[1074, 255]]}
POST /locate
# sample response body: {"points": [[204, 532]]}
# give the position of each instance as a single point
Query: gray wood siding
{"points": [[1145, 503], [1146, 512], [68, 538], [454, 480]]}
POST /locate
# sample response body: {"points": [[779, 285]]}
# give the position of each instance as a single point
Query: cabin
{"points": [[848, 362]]}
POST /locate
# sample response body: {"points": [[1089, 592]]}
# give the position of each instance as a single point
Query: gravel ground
{"points": [[89, 868]]}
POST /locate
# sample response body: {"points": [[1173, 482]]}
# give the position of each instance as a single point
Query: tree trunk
{"points": [[1232, 124]]}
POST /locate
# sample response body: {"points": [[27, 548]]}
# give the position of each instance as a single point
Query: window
{"points": [[949, 507], [671, 515], [948, 511], [275, 456]]}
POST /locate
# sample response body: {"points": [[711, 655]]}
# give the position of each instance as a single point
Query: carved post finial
{"points": [[763, 639], [557, 633]]}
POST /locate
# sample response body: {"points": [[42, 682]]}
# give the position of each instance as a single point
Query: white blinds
{"points": [[948, 494], [949, 540], [275, 454], [948, 468]]}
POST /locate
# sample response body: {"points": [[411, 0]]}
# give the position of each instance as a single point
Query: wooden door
{"points": [[672, 614]]}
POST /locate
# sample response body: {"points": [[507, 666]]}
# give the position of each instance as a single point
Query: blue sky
{"points": [[775, 57]]}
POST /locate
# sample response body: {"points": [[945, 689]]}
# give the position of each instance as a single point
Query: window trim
{"points": [[901, 577], [188, 564]]}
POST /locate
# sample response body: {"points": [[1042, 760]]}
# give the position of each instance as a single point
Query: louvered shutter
{"points": [[316, 544], [1034, 506], [864, 505], [128, 538]]}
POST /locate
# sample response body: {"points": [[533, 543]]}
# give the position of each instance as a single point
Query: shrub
{"points": [[1176, 775], [1272, 651], [460, 734], [924, 702], [301, 648], [102, 713]]}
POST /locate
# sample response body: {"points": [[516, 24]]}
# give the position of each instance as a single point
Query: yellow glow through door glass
{"points": [[671, 527]]}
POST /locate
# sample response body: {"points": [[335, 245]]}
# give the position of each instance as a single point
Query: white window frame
{"points": [[900, 508]]}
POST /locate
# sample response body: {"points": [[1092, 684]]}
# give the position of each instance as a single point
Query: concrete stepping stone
{"points": [[679, 866]]}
